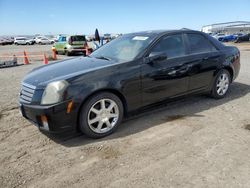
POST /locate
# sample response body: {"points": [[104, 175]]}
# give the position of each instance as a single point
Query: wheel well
{"points": [[113, 91], [230, 70]]}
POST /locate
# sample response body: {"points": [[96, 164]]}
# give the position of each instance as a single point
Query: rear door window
{"points": [[172, 46], [199, 44]]}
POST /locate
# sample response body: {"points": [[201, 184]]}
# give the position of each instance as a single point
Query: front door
{"points": [[166, 78]]}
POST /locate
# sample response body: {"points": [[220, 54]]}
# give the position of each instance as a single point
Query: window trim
{"points": [[185, 35]]}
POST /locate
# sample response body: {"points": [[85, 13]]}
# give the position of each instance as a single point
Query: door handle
{"points": [[173, 72]]}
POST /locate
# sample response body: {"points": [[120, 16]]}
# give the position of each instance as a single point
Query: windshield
{"points": [[124, 48]]}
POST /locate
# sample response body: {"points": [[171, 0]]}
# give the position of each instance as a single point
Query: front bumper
{"points": [[58, 120]]}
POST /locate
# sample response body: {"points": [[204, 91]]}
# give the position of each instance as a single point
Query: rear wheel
{"points": [[221, 84], [101, 115], [67, 53]]}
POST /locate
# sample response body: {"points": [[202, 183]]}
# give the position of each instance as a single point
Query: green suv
{"points": [[70, 44]]}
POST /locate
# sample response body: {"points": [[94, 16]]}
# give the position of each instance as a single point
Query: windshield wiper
{"points": [[103, 57]]}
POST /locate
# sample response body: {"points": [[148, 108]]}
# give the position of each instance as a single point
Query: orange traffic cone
{"points": [[25, 58], [54, 54], [45, 60]]}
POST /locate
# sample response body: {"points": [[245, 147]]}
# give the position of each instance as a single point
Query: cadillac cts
{"points": [[92, 94]]}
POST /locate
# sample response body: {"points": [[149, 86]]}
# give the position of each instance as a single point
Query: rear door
{"points": [[204, 59]]}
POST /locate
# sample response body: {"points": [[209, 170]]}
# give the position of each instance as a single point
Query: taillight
{"points": [[70, 41]]}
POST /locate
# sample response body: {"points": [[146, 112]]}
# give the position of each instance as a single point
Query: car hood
{"points": [[63, 70]]}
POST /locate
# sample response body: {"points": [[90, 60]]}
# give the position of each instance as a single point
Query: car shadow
{"points": [[166, 112]]}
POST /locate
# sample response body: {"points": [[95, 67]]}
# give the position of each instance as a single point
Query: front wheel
{"points": [[221, 84], [101, 115]]}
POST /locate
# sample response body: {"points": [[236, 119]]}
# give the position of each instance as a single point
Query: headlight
{"points": [[54, 92]]}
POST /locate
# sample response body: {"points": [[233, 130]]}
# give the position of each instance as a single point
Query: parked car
{"points": [[90, 38], [37, 39], [23, 40], [70, 44], [107, 36], [53, 40], [219, 36], [45, 40], [228, 38], [243, 38], [3, 41], [93, 94], [6, 40]]}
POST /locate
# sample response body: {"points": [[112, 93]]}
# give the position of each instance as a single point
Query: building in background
{"points": [[228, 27]]}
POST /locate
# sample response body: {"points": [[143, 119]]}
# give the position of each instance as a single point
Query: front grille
{"points": [[27, 92]]}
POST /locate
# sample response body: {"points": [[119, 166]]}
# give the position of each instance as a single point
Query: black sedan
{"points": [[92, 94], [243, 38]]}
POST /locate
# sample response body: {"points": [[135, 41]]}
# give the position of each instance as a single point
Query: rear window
{"points": [[78, 38]]}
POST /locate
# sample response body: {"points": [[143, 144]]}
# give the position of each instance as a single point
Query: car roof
{"points": [[21, 38], [162, 32]]}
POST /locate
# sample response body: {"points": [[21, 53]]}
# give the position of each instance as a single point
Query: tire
{"points": [[90, 119], [217, 91], [67, 53]]}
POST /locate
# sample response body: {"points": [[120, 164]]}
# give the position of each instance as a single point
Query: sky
{"points": [[28, 17]]}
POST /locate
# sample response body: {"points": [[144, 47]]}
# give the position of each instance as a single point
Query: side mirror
{"points": [[156, 56]]}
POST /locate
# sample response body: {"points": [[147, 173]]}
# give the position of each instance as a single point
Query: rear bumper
{"points": [[76, 50], [72, 50], [58, 120]]}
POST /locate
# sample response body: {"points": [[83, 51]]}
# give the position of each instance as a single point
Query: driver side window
{"points": [[172, 46]]}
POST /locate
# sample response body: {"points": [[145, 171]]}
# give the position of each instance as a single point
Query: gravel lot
{"points": [[193, 142]]}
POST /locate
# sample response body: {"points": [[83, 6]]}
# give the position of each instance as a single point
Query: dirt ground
{"points": [[193, 142]]}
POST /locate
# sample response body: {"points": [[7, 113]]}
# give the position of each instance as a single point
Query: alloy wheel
{"points": [[103, 116], [222, 84]]}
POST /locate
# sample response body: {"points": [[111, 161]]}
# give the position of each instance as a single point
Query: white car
{"points": [[219, 35], [23, 40], [45, 41], [39, 38]]}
